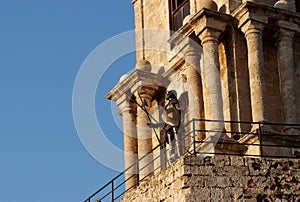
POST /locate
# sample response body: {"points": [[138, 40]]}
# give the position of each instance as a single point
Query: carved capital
{"points": [[252, 26], [145, 94], [192, 48], [210, 26], [287, 25], [126, 106], [285, 37], [286, 31], [251, 18], [209, 34], [210, 20]]}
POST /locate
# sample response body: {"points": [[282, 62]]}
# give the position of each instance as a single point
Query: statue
{"points": [[172, 120]]}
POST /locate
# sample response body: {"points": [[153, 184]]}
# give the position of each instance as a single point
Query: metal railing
{"points": [[252, 139]]}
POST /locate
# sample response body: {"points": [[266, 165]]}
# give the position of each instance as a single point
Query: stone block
{"points": [[232, 194], [206, 170], [211, 181], [237, 161], [217, 194], [240, 181], [201, 194], [187, 170]]}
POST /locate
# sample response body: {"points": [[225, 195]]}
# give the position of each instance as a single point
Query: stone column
{"points": [[212, 88], [287, 72], [211, 75], [130, 143], [253, 33], [144, 133], [192, 71]]}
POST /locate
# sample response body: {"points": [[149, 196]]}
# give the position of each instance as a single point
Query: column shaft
{"points": [[287, 78], [256, 72], [196, 109], [144, 138], [212, 90], [130, 148], [212, 82]]}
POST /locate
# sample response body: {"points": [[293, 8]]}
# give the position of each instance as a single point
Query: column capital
{"points": [[252, 26], [123, 102], [285, 36], [250, 18], [287, 25], [210, 21], [209, 34], [126, 106], [209, 26], [286, 31], [147, 91], [192, 48]]}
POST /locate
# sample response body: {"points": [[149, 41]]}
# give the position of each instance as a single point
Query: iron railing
{"points": [[252, 139]]}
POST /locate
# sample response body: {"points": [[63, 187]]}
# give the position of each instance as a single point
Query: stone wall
{"points": [[222, 178], [152, 24]]}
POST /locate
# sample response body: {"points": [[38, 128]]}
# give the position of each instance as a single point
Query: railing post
{"points": [[260, 140], [194, 136], [112, 191], [138, 171]]}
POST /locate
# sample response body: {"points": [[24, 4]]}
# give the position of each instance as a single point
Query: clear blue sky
{"points": [[42, 46]]}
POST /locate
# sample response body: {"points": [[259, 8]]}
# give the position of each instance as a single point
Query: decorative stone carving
{"points": [[285, 5], [122, 78], [209, 4], [187, 19], [143, 65]]}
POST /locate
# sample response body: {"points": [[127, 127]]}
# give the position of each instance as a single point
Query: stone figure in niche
{"points": [[172, 120]]}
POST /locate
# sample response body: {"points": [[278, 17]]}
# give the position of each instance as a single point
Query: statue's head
{"points": [[171, 95]]}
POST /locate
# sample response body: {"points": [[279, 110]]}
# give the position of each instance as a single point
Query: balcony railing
{"points": [[252, 139]]}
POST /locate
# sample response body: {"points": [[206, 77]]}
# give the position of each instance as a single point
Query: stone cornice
{"points": [[205, 18], [211, 19], [133, 82], [261, 13]]}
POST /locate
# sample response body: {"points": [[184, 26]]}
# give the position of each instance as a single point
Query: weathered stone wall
{"points": [[152, 24], [166, 185], [222, 178]]}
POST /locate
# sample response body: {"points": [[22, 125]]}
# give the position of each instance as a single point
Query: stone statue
{"points": [[172, 120]]}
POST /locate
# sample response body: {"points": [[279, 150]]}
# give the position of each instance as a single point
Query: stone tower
{"points": [[234, 66]]}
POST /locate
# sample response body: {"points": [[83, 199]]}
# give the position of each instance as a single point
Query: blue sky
{"points": [[43, 44]]}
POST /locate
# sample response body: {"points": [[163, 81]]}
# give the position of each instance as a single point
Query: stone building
{"points": [[234, 66]]}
